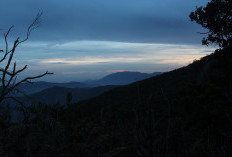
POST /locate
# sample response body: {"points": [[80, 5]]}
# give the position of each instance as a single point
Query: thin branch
{"points": [[19, 71], [35, 24], [203, 33], [6, 90], [5, 36], [28, 79], [14, 73], [14, 81], [11, 76], [6, 43], [9, 62], [7, 72]]}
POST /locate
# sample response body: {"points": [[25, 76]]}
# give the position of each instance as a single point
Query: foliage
{"points": [[185, 112], [217, 18]]}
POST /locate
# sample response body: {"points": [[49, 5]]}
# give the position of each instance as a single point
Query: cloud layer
{"points": [[160, 21], [87, 39], [81, 59]]}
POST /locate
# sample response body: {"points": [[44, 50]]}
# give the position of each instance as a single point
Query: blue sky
{"points": [[88, 39]]}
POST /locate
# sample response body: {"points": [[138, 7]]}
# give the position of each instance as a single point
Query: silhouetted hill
{"points": [[120, 78], [58, 94], [123, 78], [185, 112], [30, 88]]}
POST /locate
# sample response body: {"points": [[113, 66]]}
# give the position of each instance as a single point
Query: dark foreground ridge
{"points": [[183, 113], [58, 94]]}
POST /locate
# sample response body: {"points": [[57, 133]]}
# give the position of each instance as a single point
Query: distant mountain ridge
{"points": [[58, 94], [119, 78], [188, 108], [123, 78], [30, 88]]}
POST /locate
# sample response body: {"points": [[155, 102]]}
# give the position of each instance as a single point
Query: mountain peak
{"points": [[126, 77]]}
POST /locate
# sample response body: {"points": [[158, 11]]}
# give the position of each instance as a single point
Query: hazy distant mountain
{"points": [[30, 88], [194, 102], [123, 78], [58, 94], [119, 78]]}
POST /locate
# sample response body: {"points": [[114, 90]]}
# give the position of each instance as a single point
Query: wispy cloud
{"points": [[93, 60], [128, 53], [92, 52], [70, 58], [104, 35], [113, 71], [81, 72], [74, 72]]}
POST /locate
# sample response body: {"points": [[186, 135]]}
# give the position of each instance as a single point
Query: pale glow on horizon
{"points": [[180, 60], [98, 52], [84, 59]]}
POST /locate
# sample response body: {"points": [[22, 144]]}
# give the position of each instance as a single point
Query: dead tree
{"points": [[8, 68]]}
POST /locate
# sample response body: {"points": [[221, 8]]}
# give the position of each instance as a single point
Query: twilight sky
{"points": [[88, 39]]}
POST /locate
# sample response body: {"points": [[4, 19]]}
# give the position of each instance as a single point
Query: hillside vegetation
{"points": [[185, 112], [59, 94]]}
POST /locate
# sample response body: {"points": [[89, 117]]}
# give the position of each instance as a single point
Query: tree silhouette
{"points": [[217, 18], [69, 98], [8, 70]]}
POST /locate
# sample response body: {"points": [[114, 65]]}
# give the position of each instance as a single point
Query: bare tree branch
{"points": [[6, 43], [203, 33], [35, 24], [28, 79], [9, 77]]}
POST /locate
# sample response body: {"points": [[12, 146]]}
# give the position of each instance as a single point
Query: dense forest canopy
{"points": [[216, 17]]}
